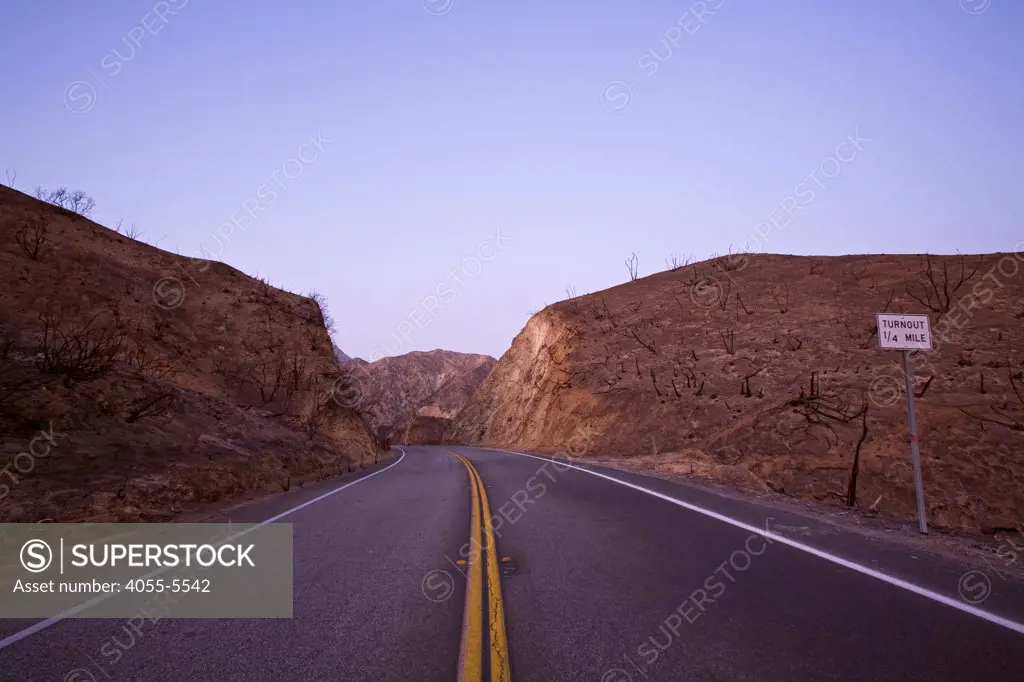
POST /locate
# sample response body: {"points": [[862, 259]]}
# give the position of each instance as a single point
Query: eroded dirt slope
{"points": [[136, 383], [764, 371]]}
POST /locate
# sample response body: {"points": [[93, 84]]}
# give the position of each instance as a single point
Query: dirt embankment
{"points": [[136, 383], [764, 371]]}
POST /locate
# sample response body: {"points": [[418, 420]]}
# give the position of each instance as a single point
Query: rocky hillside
{"points": [[392, 391], [423, 430], [428, 422], [136, 383], [764, 371]]}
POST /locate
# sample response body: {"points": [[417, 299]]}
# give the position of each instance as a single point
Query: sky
{"points": [[441, 170]]}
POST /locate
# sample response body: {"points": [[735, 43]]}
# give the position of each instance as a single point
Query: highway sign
{"points": [[904, 332]]}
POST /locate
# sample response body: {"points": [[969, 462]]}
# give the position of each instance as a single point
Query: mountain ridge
{"points": [[394, 390]]}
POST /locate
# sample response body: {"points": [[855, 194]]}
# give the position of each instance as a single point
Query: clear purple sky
{"points": [[449, 119]]}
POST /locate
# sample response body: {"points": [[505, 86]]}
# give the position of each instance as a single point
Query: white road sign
{"points": [[904, 332]]}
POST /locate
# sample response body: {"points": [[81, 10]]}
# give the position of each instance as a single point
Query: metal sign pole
{"points": [[914, 451]]}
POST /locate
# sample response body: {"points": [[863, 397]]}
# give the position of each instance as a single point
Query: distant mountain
{"points": [[394, 390], [427, 422]]}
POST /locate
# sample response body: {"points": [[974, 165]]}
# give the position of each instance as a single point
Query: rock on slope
{"points": [[143, 383], [764, 371], [393, 390]]}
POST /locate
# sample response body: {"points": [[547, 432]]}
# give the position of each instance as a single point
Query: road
{"points": [[584, 578]]}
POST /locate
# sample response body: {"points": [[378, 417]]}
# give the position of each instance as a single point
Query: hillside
{"points": [[143, 383], [394, 390], [764, 371]]}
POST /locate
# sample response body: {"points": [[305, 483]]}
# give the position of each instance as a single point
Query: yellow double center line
{"points": [[483, 595]]}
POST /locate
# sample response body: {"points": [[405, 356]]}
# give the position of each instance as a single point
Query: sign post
{"points": [[906, 333]]}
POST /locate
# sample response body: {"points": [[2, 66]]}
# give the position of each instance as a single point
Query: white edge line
{"points": [[846, 563], [43, 624]]}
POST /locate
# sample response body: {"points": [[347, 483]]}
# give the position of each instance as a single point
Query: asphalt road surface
{"points": [[413, 571]]}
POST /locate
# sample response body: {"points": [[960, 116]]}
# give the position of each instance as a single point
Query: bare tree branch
{"points": [[632, 264]]}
